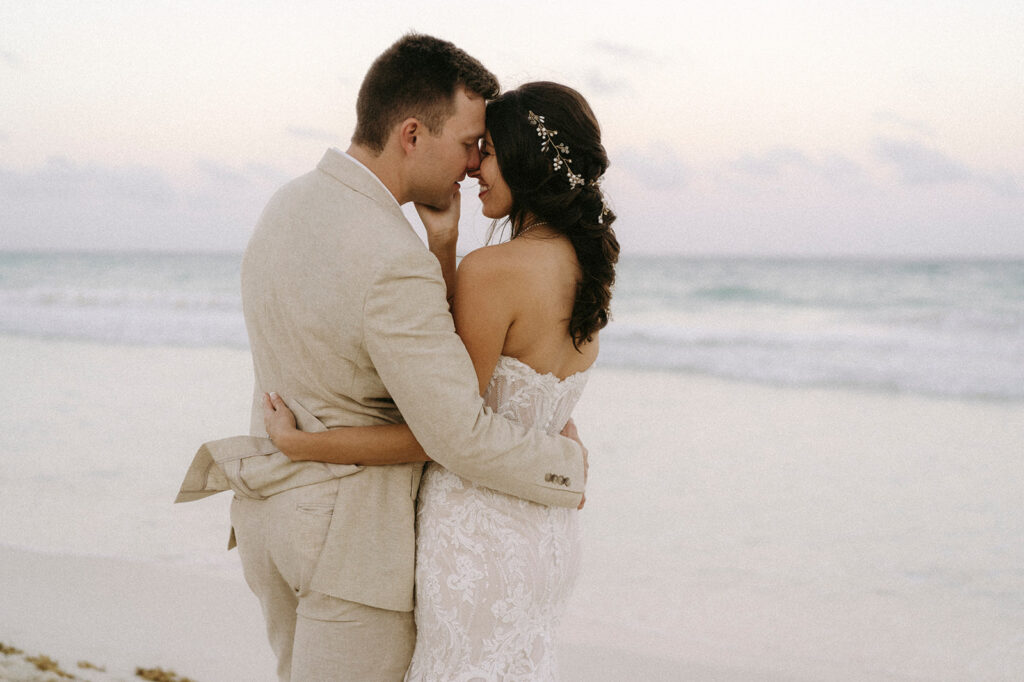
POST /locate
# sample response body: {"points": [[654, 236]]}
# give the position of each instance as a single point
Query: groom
{"points": [[347, 316]]}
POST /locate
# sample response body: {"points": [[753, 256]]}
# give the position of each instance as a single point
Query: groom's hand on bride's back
{"points": [[569, 431]]}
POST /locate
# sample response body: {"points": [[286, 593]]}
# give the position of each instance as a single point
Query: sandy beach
{"points": [[734, 531]]}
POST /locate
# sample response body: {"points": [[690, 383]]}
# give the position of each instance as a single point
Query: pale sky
{"points": [[746, 128]]}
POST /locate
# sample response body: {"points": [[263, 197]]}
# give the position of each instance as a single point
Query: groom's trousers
{"points": [[315, 636]]}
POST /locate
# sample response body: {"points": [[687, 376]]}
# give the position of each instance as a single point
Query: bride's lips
{"points": [[483, 190]]}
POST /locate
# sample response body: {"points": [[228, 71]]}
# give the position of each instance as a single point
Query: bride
{"points": [[494, 572]]}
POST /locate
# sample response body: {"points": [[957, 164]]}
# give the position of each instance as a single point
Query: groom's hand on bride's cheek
{"points": [[442, 223]]}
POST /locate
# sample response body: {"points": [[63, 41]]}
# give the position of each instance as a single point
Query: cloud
{"points": [[1004, 184], [613, 68], [601, 83], [654, 168], [265, 172], [919, 165], [221, 173], [10, 59], [892, 119], [313, 134], [61, 180], [68, 205], [772, 162], [788, 202], [782, 160], [622, 51]]}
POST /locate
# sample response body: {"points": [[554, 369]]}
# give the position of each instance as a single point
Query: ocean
{"points": [[932, 327]]}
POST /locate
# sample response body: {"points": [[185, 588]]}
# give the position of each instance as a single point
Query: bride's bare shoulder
{"points": [[521, 257], [509, 262], [488, 261]]}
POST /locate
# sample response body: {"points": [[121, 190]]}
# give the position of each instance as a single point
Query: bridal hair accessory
{"points": [[596, 183], [562, 159], [548, 144]]}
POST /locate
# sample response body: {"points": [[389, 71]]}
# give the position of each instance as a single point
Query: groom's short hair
{"points": [[416, 77]]}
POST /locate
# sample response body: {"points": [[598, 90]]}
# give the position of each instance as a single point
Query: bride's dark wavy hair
{"points": [[539, 190]]}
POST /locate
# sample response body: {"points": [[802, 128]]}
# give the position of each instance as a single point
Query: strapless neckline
{"points": [[508, 360]]}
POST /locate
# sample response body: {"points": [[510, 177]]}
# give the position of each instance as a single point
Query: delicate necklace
{"points": [[527, 228]]}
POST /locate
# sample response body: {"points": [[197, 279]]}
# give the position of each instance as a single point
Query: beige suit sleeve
{"points": [[411, 339]]}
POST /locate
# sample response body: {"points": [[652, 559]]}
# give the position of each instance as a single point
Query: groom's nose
{"points": [[473, 162]]}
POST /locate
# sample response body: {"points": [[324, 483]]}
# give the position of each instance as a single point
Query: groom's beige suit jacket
{"points": [[348, 320]]}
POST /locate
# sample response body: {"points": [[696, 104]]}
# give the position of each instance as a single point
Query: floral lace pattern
{"points": [[494, 572]]}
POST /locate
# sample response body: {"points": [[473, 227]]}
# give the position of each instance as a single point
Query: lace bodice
{"points": [[494, 572], [521, 394]]}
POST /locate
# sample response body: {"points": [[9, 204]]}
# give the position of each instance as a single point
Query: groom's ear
{"points": [[408, 134]]}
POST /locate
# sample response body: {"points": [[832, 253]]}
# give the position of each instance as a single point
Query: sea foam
{"points": [[953, 328]]}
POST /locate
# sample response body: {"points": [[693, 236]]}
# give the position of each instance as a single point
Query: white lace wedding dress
{"points": [[494, 572]]}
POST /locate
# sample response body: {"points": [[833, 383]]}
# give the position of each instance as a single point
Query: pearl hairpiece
{"points": [[562, 160], [604, 201], [548, 144]]}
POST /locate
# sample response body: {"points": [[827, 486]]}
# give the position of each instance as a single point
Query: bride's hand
{"points": [[569, 431], [442, 225], [278, 420]]}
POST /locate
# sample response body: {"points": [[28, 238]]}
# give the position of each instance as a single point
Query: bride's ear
{"points": [[408, 134]]}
